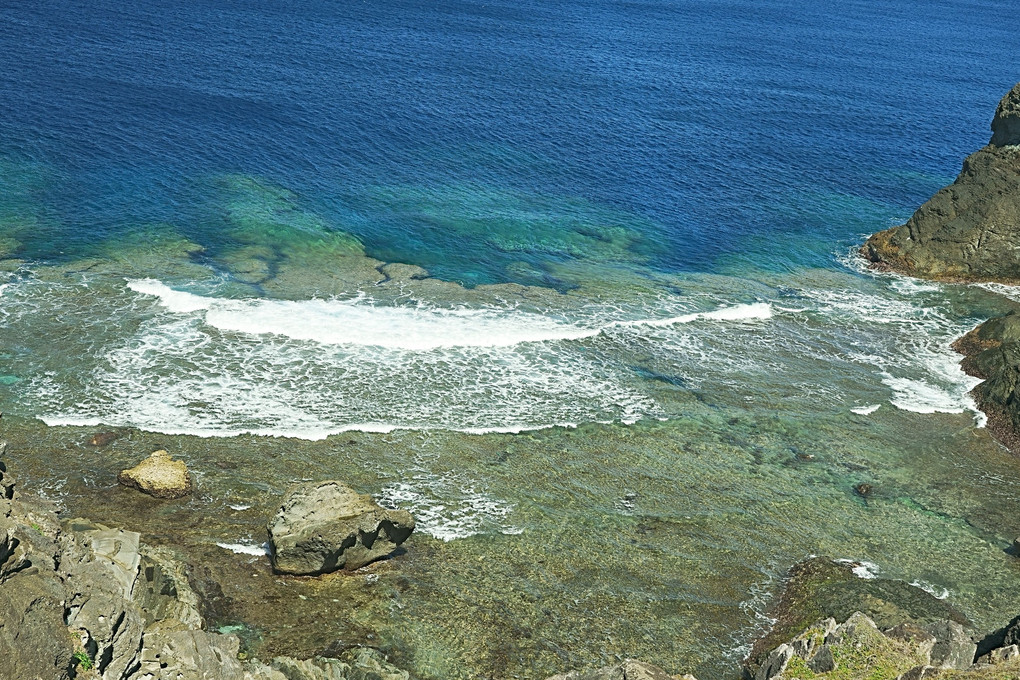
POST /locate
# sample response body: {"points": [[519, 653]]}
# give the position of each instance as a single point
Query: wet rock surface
{"points": [[325, 526]]}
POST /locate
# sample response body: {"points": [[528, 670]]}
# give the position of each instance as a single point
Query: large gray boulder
{"points": [[953, 647], [968, 230], [325, 526]]}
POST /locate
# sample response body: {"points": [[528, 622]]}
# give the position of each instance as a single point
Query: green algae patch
{"points": [[266, 237], [449, 228]]}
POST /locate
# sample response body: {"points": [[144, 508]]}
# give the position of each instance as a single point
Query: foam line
{"points": [[422, 328]]}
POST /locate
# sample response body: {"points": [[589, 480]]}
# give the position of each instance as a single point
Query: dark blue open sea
{"points": [[579, 274]]}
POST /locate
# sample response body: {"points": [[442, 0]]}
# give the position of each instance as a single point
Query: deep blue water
{"points": [[718, 130]]}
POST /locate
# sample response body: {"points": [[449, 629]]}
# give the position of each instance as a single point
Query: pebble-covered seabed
{"points": [[739, 413]]}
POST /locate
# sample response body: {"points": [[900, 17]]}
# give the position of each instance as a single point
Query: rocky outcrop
{"points": [[159, 475], [967, 231], [992, 352], [858, 649], [820, 588], [325, 526]]}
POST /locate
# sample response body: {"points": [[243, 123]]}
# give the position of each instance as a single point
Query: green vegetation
{"points": [[83, 660]]}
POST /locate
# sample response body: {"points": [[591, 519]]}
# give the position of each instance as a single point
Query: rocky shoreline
{"points": [[967, 232], [82, 600]]}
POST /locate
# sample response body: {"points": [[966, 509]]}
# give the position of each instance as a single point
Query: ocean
{"points": [[575, 283]]}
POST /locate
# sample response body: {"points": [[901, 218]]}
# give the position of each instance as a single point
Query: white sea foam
{"points": [[246, 548], [909, 286], [932, 589], [420, 327], [445, 511], [866, 410], [1005, 290], [917, 363], [355, 322], [749, 312], [861, 568], [218, 367], [211, 366]]}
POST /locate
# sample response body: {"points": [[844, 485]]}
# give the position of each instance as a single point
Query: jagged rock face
{"points": [[34, 641], [325, 526], [1006, 124], [969, 230], [992, 352]]}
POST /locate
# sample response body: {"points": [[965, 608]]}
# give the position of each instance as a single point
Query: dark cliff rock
{"points": [[992, 352], [970, 230]]}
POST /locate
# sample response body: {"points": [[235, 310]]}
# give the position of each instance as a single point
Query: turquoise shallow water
{"points": [[574, 283]]}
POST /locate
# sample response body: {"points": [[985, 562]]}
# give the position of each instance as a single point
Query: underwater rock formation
{"points": [[629, 669]]}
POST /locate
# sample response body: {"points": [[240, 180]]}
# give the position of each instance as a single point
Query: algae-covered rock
{"points": [[820, 588], [629, 669], [325, 526], [968, 230], [858, 650], [159, 475]]}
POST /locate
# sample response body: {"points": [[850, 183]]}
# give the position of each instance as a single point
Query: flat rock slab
{"points": [[325, 526], [159, 475]]}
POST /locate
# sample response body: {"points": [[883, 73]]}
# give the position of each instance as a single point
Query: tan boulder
{"points": [[159, 475]]}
